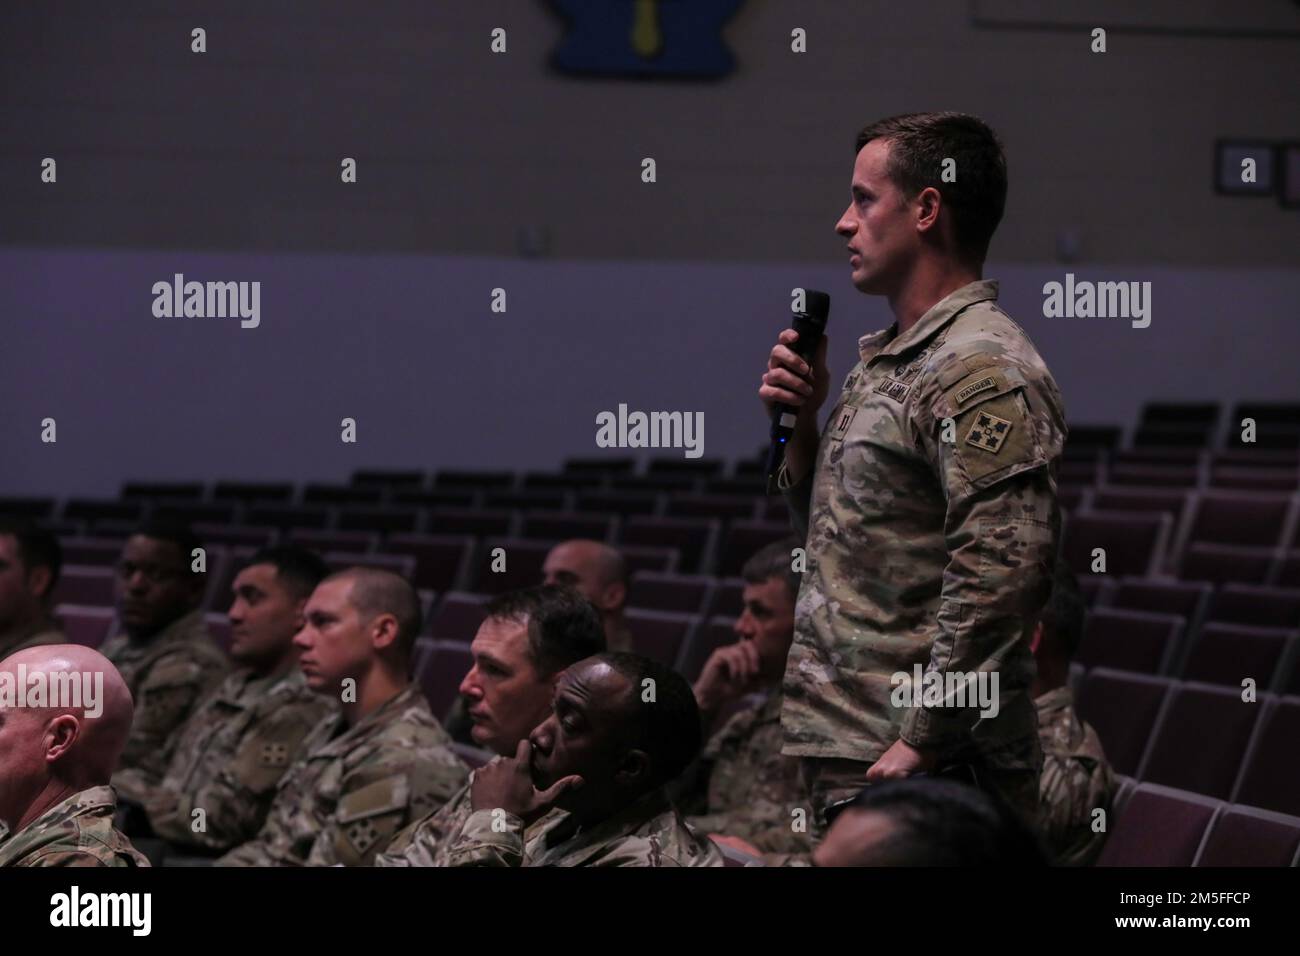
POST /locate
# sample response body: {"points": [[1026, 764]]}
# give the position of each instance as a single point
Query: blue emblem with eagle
{"points": [[679, 38]]}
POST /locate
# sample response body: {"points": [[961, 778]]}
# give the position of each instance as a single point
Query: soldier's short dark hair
{"points": [[174, 532], [563, 626], [38, 547], [774, 560], [299, 568], [938, 822], [918, 145], [376, 591], [667, 728], [1065, 614]]}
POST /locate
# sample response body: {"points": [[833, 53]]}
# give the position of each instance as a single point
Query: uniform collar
{"points": [[1058, 698], [887, 342]]}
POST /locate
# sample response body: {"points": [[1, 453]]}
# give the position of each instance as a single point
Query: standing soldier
{"points": [[929, 502]]}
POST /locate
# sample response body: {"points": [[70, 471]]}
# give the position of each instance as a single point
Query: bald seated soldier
{"points": [[227, 761], [57, 754], [527, 640], [382, 760], [928, 821], [1077, 780], [600, 575], [621, 727], [164, 654], [30, 560]]}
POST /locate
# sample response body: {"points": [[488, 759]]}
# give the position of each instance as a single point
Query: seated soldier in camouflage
{"points": [[164, 654], [526, 641], [56, 807], [621, 727], [742, 791], [599, 573], [382, 760], [226, 763], [30, 559], [928, 821], [1077, 780]]}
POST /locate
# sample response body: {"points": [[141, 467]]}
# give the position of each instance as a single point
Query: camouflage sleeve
{"points": [[1000, 532], [253, 853], [167, 696], [798, 498], [383, 796], [234, 804], [480, 843], [69, 857]]}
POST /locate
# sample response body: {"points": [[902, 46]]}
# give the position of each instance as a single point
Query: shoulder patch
{"points": [[383, 796]]}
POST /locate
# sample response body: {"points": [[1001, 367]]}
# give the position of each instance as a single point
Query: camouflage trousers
{"points": [[829, 781]]}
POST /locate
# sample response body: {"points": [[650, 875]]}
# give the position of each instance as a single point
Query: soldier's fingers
{"points": [[784, 378], [557, 789], [788, 337], [783, 357]]}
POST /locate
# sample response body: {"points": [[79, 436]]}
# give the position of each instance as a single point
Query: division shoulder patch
{"points": [[988, 432]]}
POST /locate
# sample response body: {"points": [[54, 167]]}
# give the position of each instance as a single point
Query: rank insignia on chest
{"points": [[275, 755], [895, 390], [842, 421], [988, 432]]}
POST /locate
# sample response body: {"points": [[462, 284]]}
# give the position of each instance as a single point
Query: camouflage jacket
{"points": [[932, 529], [228, 760], [43, 633], [77, 832], [167, 675], [354, 788], [750, 788], [1076, 780], [649, 832]]}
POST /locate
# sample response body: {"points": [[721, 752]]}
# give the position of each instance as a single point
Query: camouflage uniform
{"points": [[42, 633], [228, 760], [746, 788], [167, 675], [1076, 781], [77, 832], [355, 788], [926, 551], [649, 832]]}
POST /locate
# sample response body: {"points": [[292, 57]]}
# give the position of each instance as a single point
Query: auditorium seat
{"points": [[1287, 572], [599, 466], [1087, 440], [561, 526], [1230, 653], [1236, 518], [644, 558], [619, 503], [1094, 588], [88, 626], [523, 565], [1273, 420], [95, 552], [1255, 479], [259, 536], [660, 635], [685, 466], [1122, 708], [726, 507], [442, 667], [218, 626], [694, 538], [94, 510], [354, 541], [711, 634], [151, 490], [1134, 544], [387, 479], [435, 498], [457, 616], [1129, 640], [545, 481], [403, 565], [1078, 472], [654, 483], [525, 500], [745, 485], [1185, 598], [383, 520], [1161, 476], [1247, 836], [1200, 739], [191, 513], [441, 561], [477, 521], [742, 539], [1226, 563], [1269, 780], [683, 594], [264, 492], [1159, 826], [727, 598], [39, 509], [287, 516], [454, 478], [83, 584], [1173, 501], [1255, 605]]}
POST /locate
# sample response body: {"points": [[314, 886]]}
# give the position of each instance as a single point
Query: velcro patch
{"points": [[895, 390], [974, 388], [274, 755], [988, 432], [843, 421]]}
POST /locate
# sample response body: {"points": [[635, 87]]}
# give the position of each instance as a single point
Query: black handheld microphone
{"points": [[811, 325]]}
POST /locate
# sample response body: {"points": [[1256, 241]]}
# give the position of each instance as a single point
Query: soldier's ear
{"points": [[39, 580], [634, 770], [1037, 639], [383, 631], [60, 734]]}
